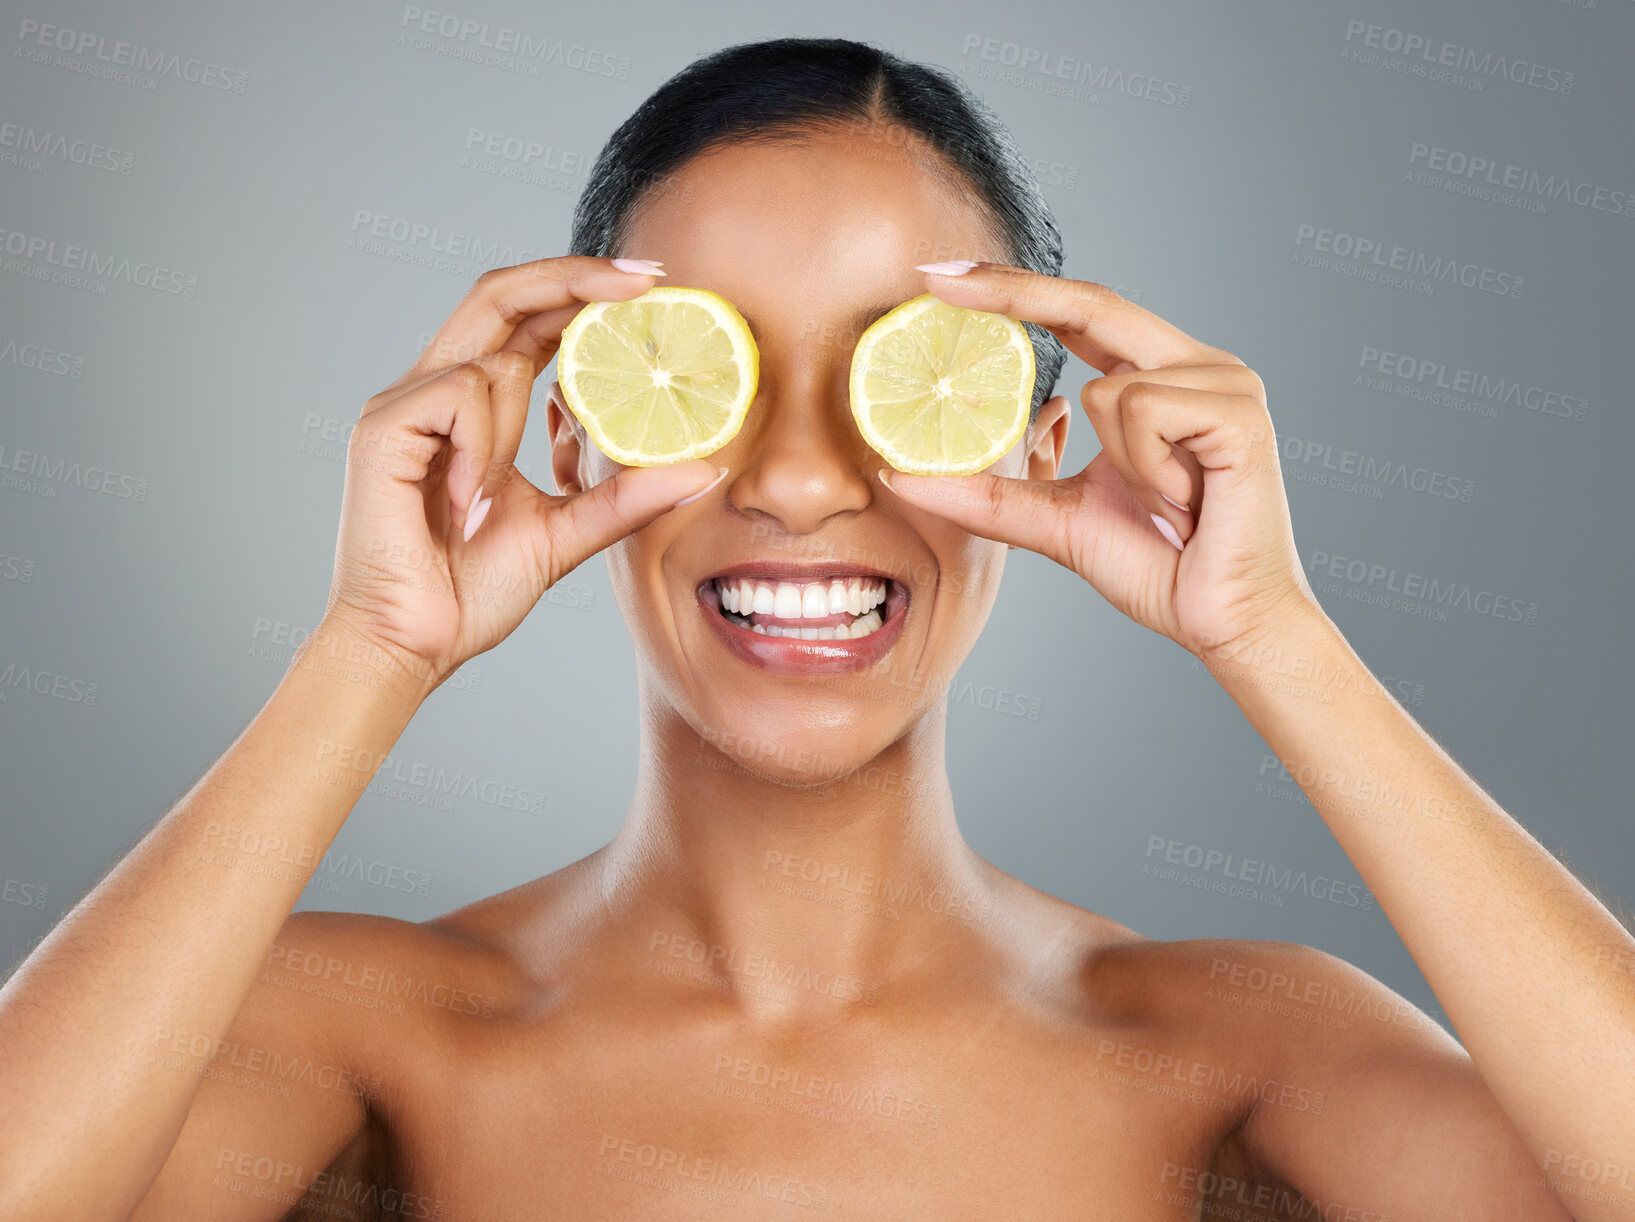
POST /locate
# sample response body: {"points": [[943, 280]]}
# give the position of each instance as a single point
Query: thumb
{"points": [[1026, 513], [583, 524]]}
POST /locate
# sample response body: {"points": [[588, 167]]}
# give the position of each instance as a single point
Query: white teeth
{"points": [[840, 632], [856, 596]]}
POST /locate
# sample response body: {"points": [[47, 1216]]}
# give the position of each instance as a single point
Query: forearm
{"points": [[1533, 972], [171, 940]]}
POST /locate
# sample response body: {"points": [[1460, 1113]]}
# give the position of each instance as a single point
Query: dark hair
{"points": [[786, 88]]}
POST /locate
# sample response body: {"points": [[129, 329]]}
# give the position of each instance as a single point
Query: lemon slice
{"points": [[941, 390], [660, 378]]}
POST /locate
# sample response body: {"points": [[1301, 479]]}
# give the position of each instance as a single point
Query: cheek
{"points": [[970, 567]]}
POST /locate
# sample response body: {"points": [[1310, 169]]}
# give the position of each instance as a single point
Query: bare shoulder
{"points": [[385, 994]]}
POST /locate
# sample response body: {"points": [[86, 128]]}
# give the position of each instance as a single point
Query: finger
{"points": [[1096, 324], [452, 412], [1214, 428], [1028, 513], [1106, 400], [578, 526], [504, 297]]}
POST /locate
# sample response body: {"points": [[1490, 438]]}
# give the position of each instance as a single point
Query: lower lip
{"points": [[791, 656]]}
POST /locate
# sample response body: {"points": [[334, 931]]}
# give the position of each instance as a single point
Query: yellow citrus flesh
{"points": [[661, 378], [941, 390]]}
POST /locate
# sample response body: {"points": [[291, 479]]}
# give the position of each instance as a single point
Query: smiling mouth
{"points": [[832, 606]]}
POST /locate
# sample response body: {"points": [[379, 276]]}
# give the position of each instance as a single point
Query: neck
{"points": [[846, 878]]}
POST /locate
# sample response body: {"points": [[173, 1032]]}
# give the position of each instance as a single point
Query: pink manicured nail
{"points": [[1165, 529], [474, 519], [953, 267], [688, 500], [641, 267], [884, 478], [1177, 504]]}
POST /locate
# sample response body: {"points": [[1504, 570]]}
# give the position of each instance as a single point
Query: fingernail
{"points": [[1165, 529], [474, 519], [641, 267], [688, 500], [1177, 504], [476, 496], [884, 479], [953, 267]]}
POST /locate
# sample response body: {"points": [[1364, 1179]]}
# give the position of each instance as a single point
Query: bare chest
{"points": [[709, 1125]]}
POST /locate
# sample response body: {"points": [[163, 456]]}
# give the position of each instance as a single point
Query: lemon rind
{"points": [[744, 350], [907, 463]]}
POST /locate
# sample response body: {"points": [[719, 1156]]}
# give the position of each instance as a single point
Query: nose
{"points": [[804, 460]]}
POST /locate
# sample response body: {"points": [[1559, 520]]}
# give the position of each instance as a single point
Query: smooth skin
{"points": [[602, 1042]]}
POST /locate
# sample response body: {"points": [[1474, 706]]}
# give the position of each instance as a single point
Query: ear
{"points": [[567, 444], [1049, 438]]}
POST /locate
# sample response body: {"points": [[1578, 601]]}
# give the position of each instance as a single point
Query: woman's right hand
{"points": [[429, 462]]}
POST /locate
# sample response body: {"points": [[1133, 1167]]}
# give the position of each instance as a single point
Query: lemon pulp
{"points": [[661, 378], [938, 389]]}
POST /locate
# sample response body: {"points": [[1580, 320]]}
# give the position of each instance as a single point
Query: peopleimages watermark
{"points": [[328, 1193], [1421, 594], [798, 1089], [41, 359], [503, 47], [274, 1072], [126, 63], [525, 159], [1466, 390], [1514, 186], [710, 958], [1392, 265], [1247, 877], [429, 784], [276, 640], [713, 1179], [1165, 1073], [1320, 1002], [376, 986], [423, 244], [29, 149], [38, 474], [1050, 72], [1227, 1196], [22, 893], [1354, 471], [863, 890], [16, 676], [83, 267], [1445, 62]]}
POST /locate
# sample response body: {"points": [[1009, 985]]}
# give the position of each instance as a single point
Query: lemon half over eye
{"points": [[659, 379], [938, 389]]}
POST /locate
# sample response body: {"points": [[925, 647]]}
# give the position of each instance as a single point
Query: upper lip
{"points": [[798, 572]]}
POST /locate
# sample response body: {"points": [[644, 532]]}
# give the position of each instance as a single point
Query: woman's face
{"points": [[812, 240]]}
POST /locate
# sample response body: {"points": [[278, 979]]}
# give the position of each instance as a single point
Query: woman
{"points": [[686, 1022]]}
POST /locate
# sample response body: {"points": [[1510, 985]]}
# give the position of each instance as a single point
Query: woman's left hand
{"points": [[1175, 417]]}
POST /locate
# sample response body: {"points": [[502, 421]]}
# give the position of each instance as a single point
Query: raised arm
{"points": [[1181, 522], [443, 548], [1531, 969], [108, 1025]]}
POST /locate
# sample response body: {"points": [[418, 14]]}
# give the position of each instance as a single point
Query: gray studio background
{"points": [[1195, 155]]}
